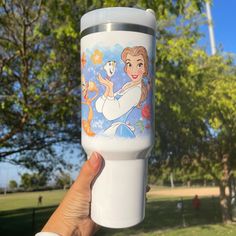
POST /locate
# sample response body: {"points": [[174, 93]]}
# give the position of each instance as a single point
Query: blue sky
{"points": [[224, 18]]}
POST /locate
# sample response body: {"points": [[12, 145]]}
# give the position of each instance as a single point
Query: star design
{"points": [[97, 57]]}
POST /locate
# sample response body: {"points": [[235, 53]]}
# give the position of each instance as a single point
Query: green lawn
{"points": [[29, 200], [162, 219], [17, 210]]}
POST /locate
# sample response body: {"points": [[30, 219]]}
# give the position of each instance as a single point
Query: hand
{"points": [[71, 218], [105, 82]]}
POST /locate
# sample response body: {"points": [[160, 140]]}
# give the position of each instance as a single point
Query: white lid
{"points": [[118, 194], [119, 15]]}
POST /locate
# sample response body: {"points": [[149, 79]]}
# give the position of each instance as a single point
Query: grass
{"points": [[29, 200], [162, 218], [17, 210]]}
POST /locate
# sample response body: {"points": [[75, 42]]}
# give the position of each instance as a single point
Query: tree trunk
{"points": [[189, 183], [224, 201], [232, 187], [172, 180], [224, 204]]}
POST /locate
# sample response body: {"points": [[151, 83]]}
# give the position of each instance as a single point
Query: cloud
{"points": [[98, 124]]}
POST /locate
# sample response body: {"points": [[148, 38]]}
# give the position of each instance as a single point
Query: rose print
{"points": [[146, 112]]}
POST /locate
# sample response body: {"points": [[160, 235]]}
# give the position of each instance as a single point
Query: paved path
{"points": [[184, 192]]}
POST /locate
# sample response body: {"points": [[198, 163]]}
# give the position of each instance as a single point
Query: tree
{"points": [[216, 154], [214, 147], [12, 184], [39, 74], [63, 180], [26, 181], [195, 106], [33, 181], [39, 89]]}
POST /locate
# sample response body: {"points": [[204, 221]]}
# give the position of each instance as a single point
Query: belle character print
{"points": [[119, 103]]}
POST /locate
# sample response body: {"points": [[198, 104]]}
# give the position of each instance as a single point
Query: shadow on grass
{"points": [[161, 214], [25, 221]]}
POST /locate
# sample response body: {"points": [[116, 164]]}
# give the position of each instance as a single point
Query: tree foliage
{"points": [[34, 180], [195, 106], [39, 83], [12, 184], [40, 74], [63, 180]]}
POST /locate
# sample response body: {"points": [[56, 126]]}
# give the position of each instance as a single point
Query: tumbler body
{"points": [[117, 87]]}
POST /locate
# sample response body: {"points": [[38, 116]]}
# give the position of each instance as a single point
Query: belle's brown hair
{"points": [[137, 51]]}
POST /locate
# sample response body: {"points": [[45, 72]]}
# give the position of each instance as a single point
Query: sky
{"points": [[224, 20], [224, 17]]}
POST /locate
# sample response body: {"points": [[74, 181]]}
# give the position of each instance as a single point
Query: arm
{"points": [[99, 103], [119, 92], [115, 108]]}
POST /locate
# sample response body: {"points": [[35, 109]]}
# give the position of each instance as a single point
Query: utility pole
{"points": [[210, 28]]}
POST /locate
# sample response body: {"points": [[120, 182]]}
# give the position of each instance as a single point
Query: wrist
{"points": [[57, 224], [111, 98]]}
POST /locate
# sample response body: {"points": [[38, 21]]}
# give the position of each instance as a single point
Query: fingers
{"points": [[88, 173], [76, 204], [102, 80], [99, 77]]}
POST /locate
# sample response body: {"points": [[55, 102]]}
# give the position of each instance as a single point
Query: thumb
{"points": [[76, 202], [88, 173]]}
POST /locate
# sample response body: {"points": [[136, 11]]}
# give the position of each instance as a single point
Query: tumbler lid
{"points": [[119, 15], [118, 194]]}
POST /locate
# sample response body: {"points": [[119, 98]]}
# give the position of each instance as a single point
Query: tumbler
{"points": [[117, 117]]}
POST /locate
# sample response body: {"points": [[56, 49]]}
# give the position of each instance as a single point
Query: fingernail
{"points": [[94, 160]]}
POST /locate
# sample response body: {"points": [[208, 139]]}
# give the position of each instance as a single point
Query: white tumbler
{"points": [[117, 82]]}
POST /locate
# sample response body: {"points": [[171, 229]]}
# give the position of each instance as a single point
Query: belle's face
{"points": [[135, 67]]}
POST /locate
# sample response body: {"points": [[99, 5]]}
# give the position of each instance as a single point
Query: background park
{"points": [[195, 106]]}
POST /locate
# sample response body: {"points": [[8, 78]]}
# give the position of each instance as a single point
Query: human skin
{"points": [[71, 218]]}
